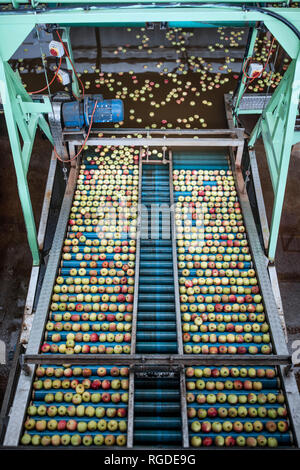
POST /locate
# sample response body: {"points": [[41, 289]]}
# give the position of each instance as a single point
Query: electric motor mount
{"points": [[76, 114]]}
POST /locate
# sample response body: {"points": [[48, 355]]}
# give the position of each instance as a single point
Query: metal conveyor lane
{"points": [[157, 407], [156, 320]]}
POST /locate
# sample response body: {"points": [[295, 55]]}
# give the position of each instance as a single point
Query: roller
{"points": [[158, 326], [157, 316], [157, 423], [157, 437], [153, 306], [158, 336], [156, 348], [157, 289], [156, 409]]}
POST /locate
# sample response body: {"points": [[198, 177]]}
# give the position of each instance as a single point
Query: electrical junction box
{"points": [[63, 77], [56, 49], [254, 70]]}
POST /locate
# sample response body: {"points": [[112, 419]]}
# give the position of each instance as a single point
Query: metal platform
{"points": [[254, 102]]}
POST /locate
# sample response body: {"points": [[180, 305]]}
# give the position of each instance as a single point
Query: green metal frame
{"points": [[276, 126], [34, 3], [22, 119], [23, 116]]}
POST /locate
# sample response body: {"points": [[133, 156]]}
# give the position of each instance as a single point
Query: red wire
{"points": [[77, 154], [56, 73], [251, 59], [258, 74], [67, 54]]}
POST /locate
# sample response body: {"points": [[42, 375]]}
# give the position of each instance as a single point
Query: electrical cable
{"points": [[74, 70], [85, 140], [268, 89], [50, 83], [274, 15], [250, 59], [254, 77], [246, 54]]}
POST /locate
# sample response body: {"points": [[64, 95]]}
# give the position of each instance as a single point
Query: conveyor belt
{"points": [[78, 406], [156, 401], [232, 406], [221, 303], [156, 320], [93, 297], [157, 412]]}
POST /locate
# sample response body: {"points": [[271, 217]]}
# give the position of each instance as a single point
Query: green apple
{"points": [[46, 441], [92, 425], [87, 440], [90, 411], [81, 426], [95, 397], [196, 441], [102, 425], [216, 427], [100, 412], [80, 410], [240, 441], [195, 426], [261, 441], [98, 440], [32, 410], [227, 426], [75, 440], [26, 439], [123, 425], [36, 440]]}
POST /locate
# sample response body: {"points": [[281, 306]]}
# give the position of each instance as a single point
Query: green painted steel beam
{"points": [[249, 111], [296, 139], [214, 14], [143, 2], [9, 42], [276, 126], [22, 116]]}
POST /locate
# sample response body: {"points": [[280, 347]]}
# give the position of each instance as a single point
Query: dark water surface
{"points": [[170, 78]]}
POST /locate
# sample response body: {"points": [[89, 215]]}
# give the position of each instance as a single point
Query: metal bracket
{"points": [[288, 369], [56, 129], [24, 366], [158, 359]]}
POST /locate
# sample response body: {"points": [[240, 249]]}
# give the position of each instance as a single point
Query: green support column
{"points": [[242, 84], [276, 126], [66, 38], [291, 110], [22, 118]]}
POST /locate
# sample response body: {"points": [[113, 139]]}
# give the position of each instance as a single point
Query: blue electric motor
{"points": [[76, 114]]}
